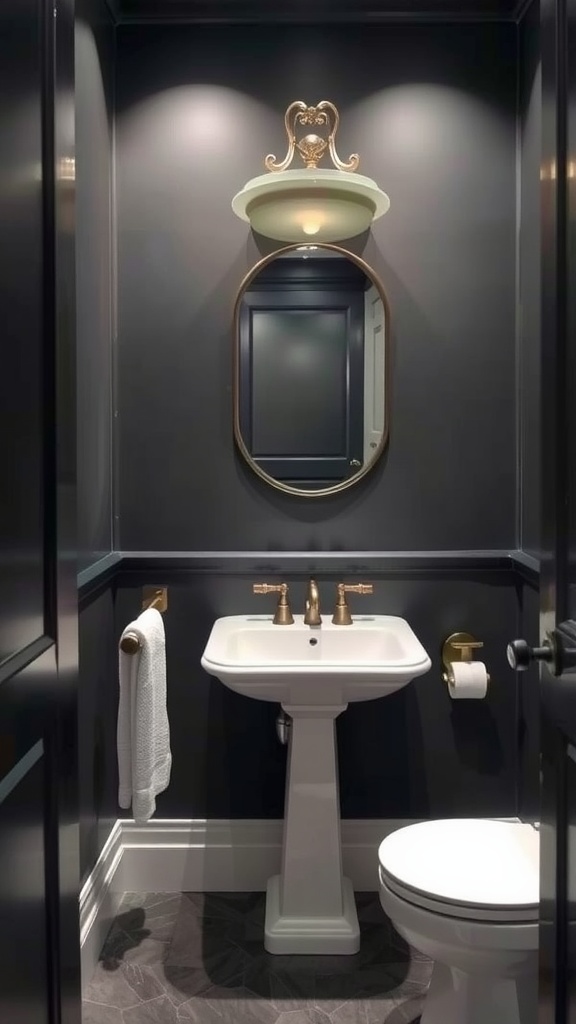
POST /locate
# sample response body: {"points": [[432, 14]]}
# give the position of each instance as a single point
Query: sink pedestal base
{"points": [[307, 934], [310, 907]]}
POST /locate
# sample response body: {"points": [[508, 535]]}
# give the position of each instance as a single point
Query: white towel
{"points": [[143, 737]]}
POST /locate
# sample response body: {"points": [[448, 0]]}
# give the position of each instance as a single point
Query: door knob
{"points": [[558, 651], [520, 655]]}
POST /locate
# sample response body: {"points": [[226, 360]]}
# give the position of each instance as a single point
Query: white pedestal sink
{"points": [[313, 672]]}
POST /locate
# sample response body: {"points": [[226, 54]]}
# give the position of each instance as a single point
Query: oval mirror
{"points": [[310, 369]]}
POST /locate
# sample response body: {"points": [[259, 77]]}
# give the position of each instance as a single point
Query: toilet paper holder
{"points": [[458, 647]]}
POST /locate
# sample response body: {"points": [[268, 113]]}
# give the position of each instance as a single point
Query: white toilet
{"points": [[465, 892]]}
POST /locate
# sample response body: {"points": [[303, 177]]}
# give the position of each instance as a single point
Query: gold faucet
{"points": [[312, 615]]}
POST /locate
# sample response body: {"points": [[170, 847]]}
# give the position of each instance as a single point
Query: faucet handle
{"points": [[342, 616], [283, 615], [267, 588]]}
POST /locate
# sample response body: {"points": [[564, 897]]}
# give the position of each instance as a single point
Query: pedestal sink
{"points": [[313, 672]]}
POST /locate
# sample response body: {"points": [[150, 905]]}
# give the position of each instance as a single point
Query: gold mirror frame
{"points": [[247, 281]]}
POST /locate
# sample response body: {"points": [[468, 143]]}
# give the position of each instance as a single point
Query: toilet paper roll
{"points": [[469, 680]]}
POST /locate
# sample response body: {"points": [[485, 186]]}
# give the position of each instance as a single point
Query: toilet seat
{"points": [[477, 869], [527, 915]]}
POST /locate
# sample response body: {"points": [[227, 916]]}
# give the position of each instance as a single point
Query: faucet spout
{"points": [[312, 615]]}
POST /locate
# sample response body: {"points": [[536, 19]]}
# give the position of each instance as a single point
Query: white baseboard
{"points": [[99, 902], [231, 856]]}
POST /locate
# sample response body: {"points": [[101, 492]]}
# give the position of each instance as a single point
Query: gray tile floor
{"points": [[189, 958]]}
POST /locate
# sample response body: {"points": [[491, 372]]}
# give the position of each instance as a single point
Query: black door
{"points": [[39, 943], [557, 653]]}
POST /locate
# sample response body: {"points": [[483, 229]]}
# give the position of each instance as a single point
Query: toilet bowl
{"points": [[466, 892]]}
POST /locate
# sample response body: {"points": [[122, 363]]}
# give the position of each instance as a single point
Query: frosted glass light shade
{"points": [[311, 205]]}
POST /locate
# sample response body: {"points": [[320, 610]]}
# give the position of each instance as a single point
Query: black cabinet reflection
{"points": [[310, 389]]}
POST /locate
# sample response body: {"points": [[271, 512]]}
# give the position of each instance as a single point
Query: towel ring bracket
{"points": [[152, 597]]}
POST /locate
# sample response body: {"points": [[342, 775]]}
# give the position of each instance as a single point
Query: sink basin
{"points": [[314, 672], [315, 665]]}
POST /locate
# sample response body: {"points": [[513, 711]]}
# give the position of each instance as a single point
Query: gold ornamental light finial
{"points": [[312, 147]]}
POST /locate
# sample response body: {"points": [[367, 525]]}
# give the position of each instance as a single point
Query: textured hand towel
{"points": [[143, 737]]}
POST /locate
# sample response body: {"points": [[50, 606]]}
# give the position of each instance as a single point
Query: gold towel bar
{"points": [[152, 597]]}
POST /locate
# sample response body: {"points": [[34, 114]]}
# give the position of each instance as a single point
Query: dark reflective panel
{"points": [[557, 1004], [21, 316], [310, 369], [24, 997], [570, 298], [566, 600], [571, 883]]}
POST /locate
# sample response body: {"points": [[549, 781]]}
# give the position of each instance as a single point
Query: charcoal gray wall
{"points": [[529, 267], [94, 276], [415, 753], [94, 303], [431, 109]]}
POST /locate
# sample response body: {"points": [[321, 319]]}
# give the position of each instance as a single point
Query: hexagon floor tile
{"points": [[199, 958]]}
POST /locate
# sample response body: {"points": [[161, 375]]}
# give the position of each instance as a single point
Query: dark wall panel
{"points": [[529, 711], [431, 109], [529, 268], [98, 702], [415, 753], [25, 330], [25, 996], [94, 271]]}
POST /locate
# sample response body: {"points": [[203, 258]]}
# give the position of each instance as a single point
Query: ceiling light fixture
{"points": [[328, 205]]}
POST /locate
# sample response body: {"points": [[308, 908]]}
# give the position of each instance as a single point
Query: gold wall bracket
{"points": [[458, 647], [152, 597], [155, 597], [312, 147], [283, 615]]}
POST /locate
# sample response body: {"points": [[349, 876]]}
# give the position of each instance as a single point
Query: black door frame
{"points": [[39, 681], [61, 523], [557, 766]]}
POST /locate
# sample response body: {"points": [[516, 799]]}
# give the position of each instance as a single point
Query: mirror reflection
{"points": [[310, 410]]}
